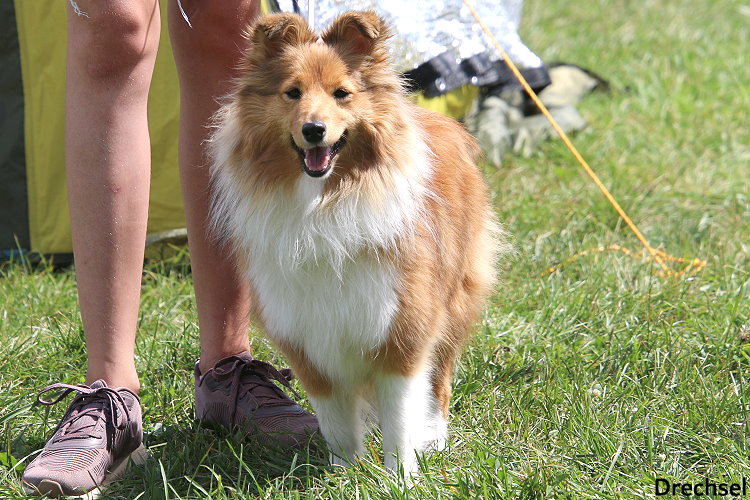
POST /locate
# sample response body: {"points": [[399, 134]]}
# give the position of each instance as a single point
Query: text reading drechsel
{"points": [[705, 487]]}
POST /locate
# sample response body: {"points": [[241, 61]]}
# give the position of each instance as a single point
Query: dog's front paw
{"points": [[435, 437], [338, 461]]}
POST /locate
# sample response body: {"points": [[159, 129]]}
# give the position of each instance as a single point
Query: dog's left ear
{"points": [[360, 33]]}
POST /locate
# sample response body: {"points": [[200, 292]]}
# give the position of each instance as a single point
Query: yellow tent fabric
{"points": [[42, 38]]}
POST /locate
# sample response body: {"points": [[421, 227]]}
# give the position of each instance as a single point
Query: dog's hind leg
{"points": [[342, 423], [410, 418], [443, 357]]}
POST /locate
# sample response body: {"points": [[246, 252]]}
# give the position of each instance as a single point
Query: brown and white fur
{"points": [[370, 250]]}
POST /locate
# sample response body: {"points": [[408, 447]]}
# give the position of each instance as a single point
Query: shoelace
{"points": [[262, 374], [109, 397]]}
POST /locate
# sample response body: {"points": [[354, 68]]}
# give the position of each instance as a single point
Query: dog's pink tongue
{"points": [[316, 159]]}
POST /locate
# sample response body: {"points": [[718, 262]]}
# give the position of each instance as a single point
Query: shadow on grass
{"points": [[201, 462]]}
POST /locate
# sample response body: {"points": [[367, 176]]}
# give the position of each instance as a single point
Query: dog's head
{"points": [[315, 95]]}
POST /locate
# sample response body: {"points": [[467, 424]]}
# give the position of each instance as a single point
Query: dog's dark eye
{"points": [[293, 93], [341, 94]]}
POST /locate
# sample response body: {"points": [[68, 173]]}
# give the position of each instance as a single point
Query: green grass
{"points": [[589, 383]]}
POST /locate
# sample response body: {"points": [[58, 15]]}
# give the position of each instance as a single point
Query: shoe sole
{"points": [[53, 489]]}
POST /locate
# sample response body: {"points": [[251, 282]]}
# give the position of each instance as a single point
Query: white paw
{"points": [[338, 461], [436, 437]]}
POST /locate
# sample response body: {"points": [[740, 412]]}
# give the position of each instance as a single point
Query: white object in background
{"points": [[311, 12], [425, 29]]}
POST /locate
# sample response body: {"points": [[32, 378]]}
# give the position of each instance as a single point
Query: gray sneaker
{"points": [[239, 392], [96, 439]]}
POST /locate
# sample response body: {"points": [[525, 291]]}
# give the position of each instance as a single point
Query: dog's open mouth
{"points": [[317, 161]]}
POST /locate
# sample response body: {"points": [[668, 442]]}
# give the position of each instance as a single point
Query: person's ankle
{"points": [[131, 383], [209, 359]]}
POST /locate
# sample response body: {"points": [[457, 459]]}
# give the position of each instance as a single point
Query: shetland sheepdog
{"points": [[362, 224]]}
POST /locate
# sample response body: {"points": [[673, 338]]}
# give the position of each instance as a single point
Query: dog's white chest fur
{"points": [[322, 283], [335, 321]]}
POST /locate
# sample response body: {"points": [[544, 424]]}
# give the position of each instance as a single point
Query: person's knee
{"points": [[113, 38], [216, 28]]}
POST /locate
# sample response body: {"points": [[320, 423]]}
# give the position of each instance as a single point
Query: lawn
{"points": [[589, 383]]}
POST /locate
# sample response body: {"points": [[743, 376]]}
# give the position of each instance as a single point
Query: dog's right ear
{"points": [[271, 33]]}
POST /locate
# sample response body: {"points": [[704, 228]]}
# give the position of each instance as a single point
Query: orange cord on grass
{"points": [[658, 256], [691, 266]]}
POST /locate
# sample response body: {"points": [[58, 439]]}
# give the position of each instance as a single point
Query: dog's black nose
{"points": [[314, 132]]}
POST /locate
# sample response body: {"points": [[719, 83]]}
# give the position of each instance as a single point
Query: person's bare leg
{"points": [[111, 53], [206, 56]]}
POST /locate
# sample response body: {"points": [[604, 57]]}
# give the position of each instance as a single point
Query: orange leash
{"points": [[654, 255]]}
